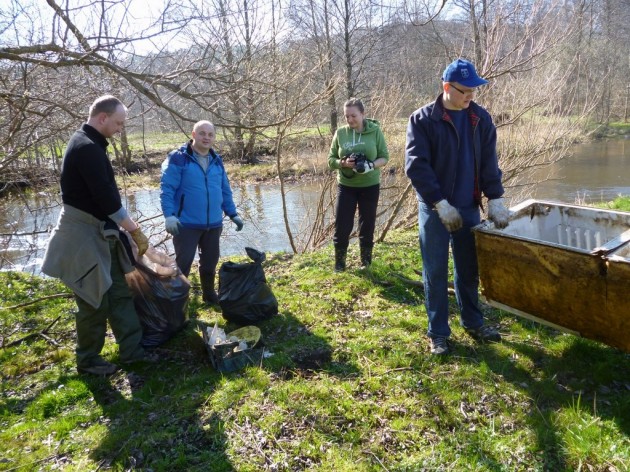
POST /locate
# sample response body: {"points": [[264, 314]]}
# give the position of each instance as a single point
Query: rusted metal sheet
{"points": [[562, 265], [618, 298]]}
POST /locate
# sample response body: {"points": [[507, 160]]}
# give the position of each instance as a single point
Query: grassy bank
{"points": [[621, 203], [350, 386], [614, 129]]}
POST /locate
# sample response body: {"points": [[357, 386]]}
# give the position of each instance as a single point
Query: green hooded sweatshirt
{"points": [[370, 142]]}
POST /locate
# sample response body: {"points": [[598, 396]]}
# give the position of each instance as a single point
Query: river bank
{"points": [[299, 162], [350, 385]]}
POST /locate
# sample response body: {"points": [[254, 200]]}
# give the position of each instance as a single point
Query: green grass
{"points": [[620, 203], [621, 127], [350, 386], [161, 141]]}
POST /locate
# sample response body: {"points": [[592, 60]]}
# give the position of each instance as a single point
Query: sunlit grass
{"points": [[350, 386], [620, 203]]}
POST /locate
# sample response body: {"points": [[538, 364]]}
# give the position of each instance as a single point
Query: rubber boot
{"points": [[340, 258], [207, 288], [366, 256]]}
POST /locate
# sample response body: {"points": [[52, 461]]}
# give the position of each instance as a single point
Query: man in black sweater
{"points": [[87, 250]]}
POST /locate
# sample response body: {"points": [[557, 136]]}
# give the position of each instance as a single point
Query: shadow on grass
{"points": [[586, 377], [294, 349], [154, 412], [161, 416]]}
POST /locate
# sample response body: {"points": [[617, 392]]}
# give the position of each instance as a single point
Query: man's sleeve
{"points": [[228, 206], [418, 162], [170, 181], [490, 173]]}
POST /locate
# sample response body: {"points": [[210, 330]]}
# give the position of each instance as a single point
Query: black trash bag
{"points": [[160, 294], [244, 296]]}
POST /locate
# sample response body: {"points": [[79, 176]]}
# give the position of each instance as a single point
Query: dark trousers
{"points": [[117, 308], [348, 199], [186, 244]]}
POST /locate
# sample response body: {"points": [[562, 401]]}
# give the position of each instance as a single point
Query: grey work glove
{"points": [[141, 240], [238, 221], [368, 167], [498, 213], [449, 216], [172, 224]]}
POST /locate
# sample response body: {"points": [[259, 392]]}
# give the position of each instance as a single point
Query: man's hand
{"points": [[497, 213], [141, 241], [172, 224], [238, 221], [449, 216]]}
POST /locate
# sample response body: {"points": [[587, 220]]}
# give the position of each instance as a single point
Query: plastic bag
{"points": [[235, 350], [160, 295], [244, 296]]}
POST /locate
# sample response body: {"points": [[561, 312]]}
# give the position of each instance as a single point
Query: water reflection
{"points": [[25, 223], [595, 172]]}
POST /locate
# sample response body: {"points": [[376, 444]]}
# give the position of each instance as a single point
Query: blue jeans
{"points": [[434, 247]]}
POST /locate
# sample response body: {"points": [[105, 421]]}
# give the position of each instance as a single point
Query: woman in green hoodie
{"points": [[357, 152]]}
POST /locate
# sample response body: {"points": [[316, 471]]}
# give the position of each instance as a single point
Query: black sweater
{"points": [[87, 177]]}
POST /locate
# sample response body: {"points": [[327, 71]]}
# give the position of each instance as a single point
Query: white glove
{"points": [[368, 167], [449, 216], [238, 221], [172, 224], [497, 213]]}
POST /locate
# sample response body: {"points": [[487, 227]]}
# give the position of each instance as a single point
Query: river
{"points": [[594, 172]]}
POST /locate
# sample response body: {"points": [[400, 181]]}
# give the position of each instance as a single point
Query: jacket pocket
{"points": [[80, 280]]}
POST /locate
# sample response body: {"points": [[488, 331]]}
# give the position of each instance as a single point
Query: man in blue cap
{"points": [[451, 160]]}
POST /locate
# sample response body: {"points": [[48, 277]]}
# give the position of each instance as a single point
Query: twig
{"points": [[41, 299], [377, 459], [41, 333], [32, 463], [49, 339], [400, 369], [419, 283]]}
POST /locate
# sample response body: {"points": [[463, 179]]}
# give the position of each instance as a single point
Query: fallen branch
{"points": [[37, 300], [420, 284], [43, 333]]}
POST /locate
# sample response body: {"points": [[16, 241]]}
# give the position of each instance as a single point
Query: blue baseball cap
{"points": [[463, 72]]}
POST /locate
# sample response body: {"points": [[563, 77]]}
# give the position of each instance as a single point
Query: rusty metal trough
{"points": [[566, 266]]}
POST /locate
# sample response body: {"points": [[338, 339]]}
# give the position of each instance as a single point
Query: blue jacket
{"points": [[432, 151], [198, 199]]}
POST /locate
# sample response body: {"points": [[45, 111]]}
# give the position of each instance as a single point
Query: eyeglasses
{"points": [[464, 92]]}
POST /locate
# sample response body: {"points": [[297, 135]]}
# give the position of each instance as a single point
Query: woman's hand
{"points": [[347, 162]]}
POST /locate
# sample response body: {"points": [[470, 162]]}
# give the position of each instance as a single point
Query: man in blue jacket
{"points": [[195, 194], [451, 160]]}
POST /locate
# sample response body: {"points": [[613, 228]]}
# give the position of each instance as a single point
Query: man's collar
{"points": [[93, 133]]}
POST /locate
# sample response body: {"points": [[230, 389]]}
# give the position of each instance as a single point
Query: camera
{"points": [[360, 162]]}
